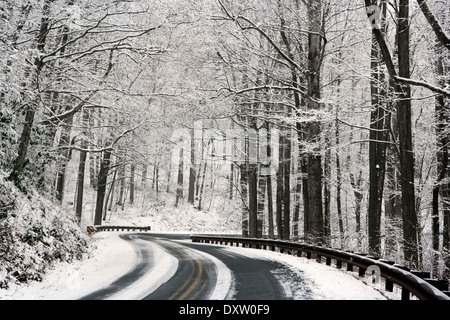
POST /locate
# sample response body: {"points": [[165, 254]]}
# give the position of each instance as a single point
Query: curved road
{"points": [[197, 274]]}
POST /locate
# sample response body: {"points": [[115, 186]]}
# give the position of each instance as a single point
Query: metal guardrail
{"points": [[92, 229], [417, 283]]}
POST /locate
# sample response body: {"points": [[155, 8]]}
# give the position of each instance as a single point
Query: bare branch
{"points": [[77, 108], [253, 26]]}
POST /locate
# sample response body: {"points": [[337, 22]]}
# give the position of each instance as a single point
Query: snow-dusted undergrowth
{"points": [[34, 233]]}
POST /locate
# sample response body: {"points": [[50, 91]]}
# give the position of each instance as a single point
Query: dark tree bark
{"points": [[287, 187], [31, 106], [101, 190], [434, 23], [192, 172], [410, 226], [81, 171], [65, 154], [180, 179], [252, 201], [244, 197], [132, 184], [315, 232], [441, 190], [379, 125], [279, 191]]}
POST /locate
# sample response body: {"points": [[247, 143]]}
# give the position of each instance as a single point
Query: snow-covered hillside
{"points": [[34, 233]]}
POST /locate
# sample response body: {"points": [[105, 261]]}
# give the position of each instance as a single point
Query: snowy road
{"points": [[199, 269], [136, 266]]}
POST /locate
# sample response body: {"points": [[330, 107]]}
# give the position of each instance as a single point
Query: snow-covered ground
{"points": [[113, 256]]}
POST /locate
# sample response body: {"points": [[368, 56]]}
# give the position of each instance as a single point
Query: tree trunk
{"points": [[287, 187], [244, 197], [132, 184], [81, 171], [252, 201], [338, 188], [379, 125], [315, 234], [101, 189], [121, 177], [270, 226], [441, 190], [261, 202], [80, 186], [280, 190], [180, 179], [410, 223], [192, 174], [327, 187], [64, 157], [31, 106]]}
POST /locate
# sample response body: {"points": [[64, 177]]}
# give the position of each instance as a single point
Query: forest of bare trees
{"points": [[326, 121]]}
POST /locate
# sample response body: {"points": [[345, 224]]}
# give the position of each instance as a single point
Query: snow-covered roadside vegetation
{"points": [[34, 233]]}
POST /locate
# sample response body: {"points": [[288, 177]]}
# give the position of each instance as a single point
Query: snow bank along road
{"points": [[135, 266]]}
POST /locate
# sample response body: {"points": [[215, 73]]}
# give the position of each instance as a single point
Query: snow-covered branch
{"points": [[441, 35], [424, 84]]}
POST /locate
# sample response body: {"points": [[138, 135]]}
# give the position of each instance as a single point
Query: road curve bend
{"points": [[198, 272]]}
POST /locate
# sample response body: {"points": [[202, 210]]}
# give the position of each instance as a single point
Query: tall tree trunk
{"points": [[244, 197], [410, 223], [280, 190], [80, 186], [81, 171], [261, 201], [121, 177], [132, 184], [327, 187], [64, 157], [339, 187], [101, 189], [296, 213], [270, 225], [287, 187], [31, 106], [379, 124], [180, 179], [441, 190], [252, 201], [315, 234], [192, 173]]}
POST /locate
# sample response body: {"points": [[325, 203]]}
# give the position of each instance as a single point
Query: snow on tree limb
{"points": [[423, 84], [441, 35]]}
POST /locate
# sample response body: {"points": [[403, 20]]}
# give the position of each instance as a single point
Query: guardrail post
{"points": [[349, 266], [361, 271], [405, 294], [389, 286], [328, 261], [338, 264]]}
